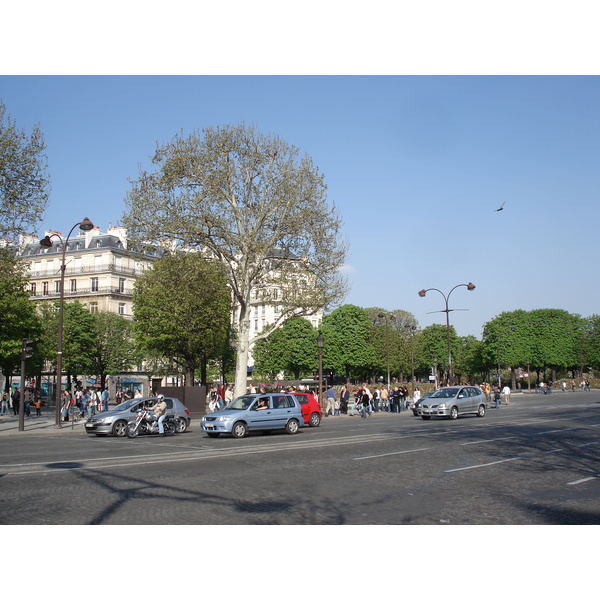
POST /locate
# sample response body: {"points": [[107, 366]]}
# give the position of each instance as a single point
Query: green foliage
{"points": [[24, 187], [348, 350], [182, 310], [291, 348], [18, 315], [115, 349]]}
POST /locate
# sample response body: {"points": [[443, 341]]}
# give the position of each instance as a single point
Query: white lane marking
{"points": [[496, 462], [578, 481], [512, 437], [390, 453]]}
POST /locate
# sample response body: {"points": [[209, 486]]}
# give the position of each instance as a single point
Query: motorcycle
{"points": [[146, 422]]}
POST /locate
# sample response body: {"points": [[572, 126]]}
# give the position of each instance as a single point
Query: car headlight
{"points": [[443, 405], [222, 418]]}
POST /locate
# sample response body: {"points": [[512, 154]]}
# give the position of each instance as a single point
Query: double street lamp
{"points": [[447, 310], [85, 225]]}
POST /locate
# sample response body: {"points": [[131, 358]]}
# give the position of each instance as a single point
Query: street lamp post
{"points": [[85, 225], [320, 345], [411, 330], [447, 310]]}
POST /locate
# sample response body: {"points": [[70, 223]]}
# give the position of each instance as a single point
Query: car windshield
{"points": [[445, 393], [126, 405], [241, 403]]}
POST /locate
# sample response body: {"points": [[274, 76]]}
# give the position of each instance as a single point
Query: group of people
{"points": [[218, 398], [83, 404], [13, 402], [369, 401]]}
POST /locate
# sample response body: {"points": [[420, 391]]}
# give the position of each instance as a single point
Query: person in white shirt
{"points": [[506, 392]]}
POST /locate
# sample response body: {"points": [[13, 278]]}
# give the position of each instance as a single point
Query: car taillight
{"points": [[187, 412]]}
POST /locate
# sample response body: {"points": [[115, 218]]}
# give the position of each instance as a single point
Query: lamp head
{"points": [[86, 225], [422, 293], [46, 242]]}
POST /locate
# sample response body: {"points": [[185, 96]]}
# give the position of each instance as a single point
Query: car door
{"points": [[283, 408], [464, 401], [261, 418]]}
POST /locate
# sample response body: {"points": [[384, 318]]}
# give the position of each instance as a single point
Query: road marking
{"points": [[497, 462], [578, 481], [390, 454], [512, 437], [556, 431]]}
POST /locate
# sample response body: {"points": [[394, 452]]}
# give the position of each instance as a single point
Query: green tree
{"points": [[19, 318], [182, 311], [79, 338], [115, 349], [255, 204], [291, 348], [347, 347], [434, 346], [24, 186]]}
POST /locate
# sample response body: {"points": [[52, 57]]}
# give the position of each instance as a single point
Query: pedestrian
{"points": [[376, 399], [27, 397], [344, 399], [564, 386], [330, 401], [16, 400], [497, 396], [38, 406], [385, 399], [506, 392], [105, 400], [229, 395], [4, 407], [85, 398]]}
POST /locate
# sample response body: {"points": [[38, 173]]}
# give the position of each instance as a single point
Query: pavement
{"points": [[42, 425]]}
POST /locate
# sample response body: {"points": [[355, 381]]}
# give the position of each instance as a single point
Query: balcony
{"points": [[101, 291]]}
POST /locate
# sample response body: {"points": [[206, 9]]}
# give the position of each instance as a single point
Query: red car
{"points": [[311, 411]]}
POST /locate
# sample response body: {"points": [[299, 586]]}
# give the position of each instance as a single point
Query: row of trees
{"points": [[361, 344]]}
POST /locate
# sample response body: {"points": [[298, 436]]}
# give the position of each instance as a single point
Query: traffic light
{"points": [[27, 349]]}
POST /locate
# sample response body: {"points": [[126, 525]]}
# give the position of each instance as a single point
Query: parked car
{"points": [[418, 403], [311, 410], [453, 401], [255, 412], [116, 420]]}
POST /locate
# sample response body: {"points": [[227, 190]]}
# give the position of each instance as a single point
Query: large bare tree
{"points": [[259, 206]]}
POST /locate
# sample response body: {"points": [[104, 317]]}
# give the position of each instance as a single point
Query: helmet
{"points": [[160, 397]]}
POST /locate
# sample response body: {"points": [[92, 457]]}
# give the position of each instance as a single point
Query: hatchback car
{"points": [[311, 410], [255, 412], [418, 403], [116, 420], [453, 401]]}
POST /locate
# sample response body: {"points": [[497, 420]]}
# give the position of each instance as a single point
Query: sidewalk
{"points": [[42, 425]]}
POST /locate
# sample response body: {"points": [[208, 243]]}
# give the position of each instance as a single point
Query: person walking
{"points": [[497, 396], [4, 406], [506, 392], [16, 400], [344, 399], [105, 400], [330, 401]]}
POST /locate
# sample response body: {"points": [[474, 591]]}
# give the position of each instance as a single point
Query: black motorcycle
{"points": [[146, 422]]}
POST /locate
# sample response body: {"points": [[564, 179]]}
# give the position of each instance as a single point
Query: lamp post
{"points": [[320, 344], [387, 342], [85, 225], [447, 310]]}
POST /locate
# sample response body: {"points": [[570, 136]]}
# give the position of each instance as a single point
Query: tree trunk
{"points": [[241, 364]]}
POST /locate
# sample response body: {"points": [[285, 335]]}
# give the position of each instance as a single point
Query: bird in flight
{"points": [[501, 208]]}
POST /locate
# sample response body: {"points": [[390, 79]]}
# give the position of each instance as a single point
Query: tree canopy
{"points": [[24, 185], [182, 310], [257, 205]]}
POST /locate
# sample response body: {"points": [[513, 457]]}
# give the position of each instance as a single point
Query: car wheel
{"points": [[120, 429], [212, 434], [454, 412], [481, 411], [315, 420], [292, 426], [425, 417], [239, 430], [181, 425]]}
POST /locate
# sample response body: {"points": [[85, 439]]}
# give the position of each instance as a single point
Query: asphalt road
{"points": [[533, 462]]}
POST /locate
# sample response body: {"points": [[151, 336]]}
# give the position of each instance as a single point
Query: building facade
{"points": [[100, 270]]}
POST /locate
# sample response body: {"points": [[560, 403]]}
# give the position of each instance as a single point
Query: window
{"points": [[94, 284], [33, 289], [121, 285], [57, 287], [73, 286], [93, 307], [121, 308], [45, 288]]}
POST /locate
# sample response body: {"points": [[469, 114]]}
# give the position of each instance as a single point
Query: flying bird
{"points": [[501, 208]]}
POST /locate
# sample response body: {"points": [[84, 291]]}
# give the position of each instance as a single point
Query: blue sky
{"points": [[416, 165]]}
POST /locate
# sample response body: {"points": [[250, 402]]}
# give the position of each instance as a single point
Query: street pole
{"points": [[85, 225]]}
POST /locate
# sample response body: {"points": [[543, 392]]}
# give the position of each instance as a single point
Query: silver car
{"points": [[453, 401], [115, 421], [255, 412]]}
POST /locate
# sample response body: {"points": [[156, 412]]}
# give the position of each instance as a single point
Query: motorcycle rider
{"points": [[160, 410]]}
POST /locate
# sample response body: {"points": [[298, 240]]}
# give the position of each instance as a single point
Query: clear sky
{"points": [[417, 166]]}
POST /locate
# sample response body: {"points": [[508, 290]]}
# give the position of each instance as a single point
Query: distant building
{"points": [[100, 269]]}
